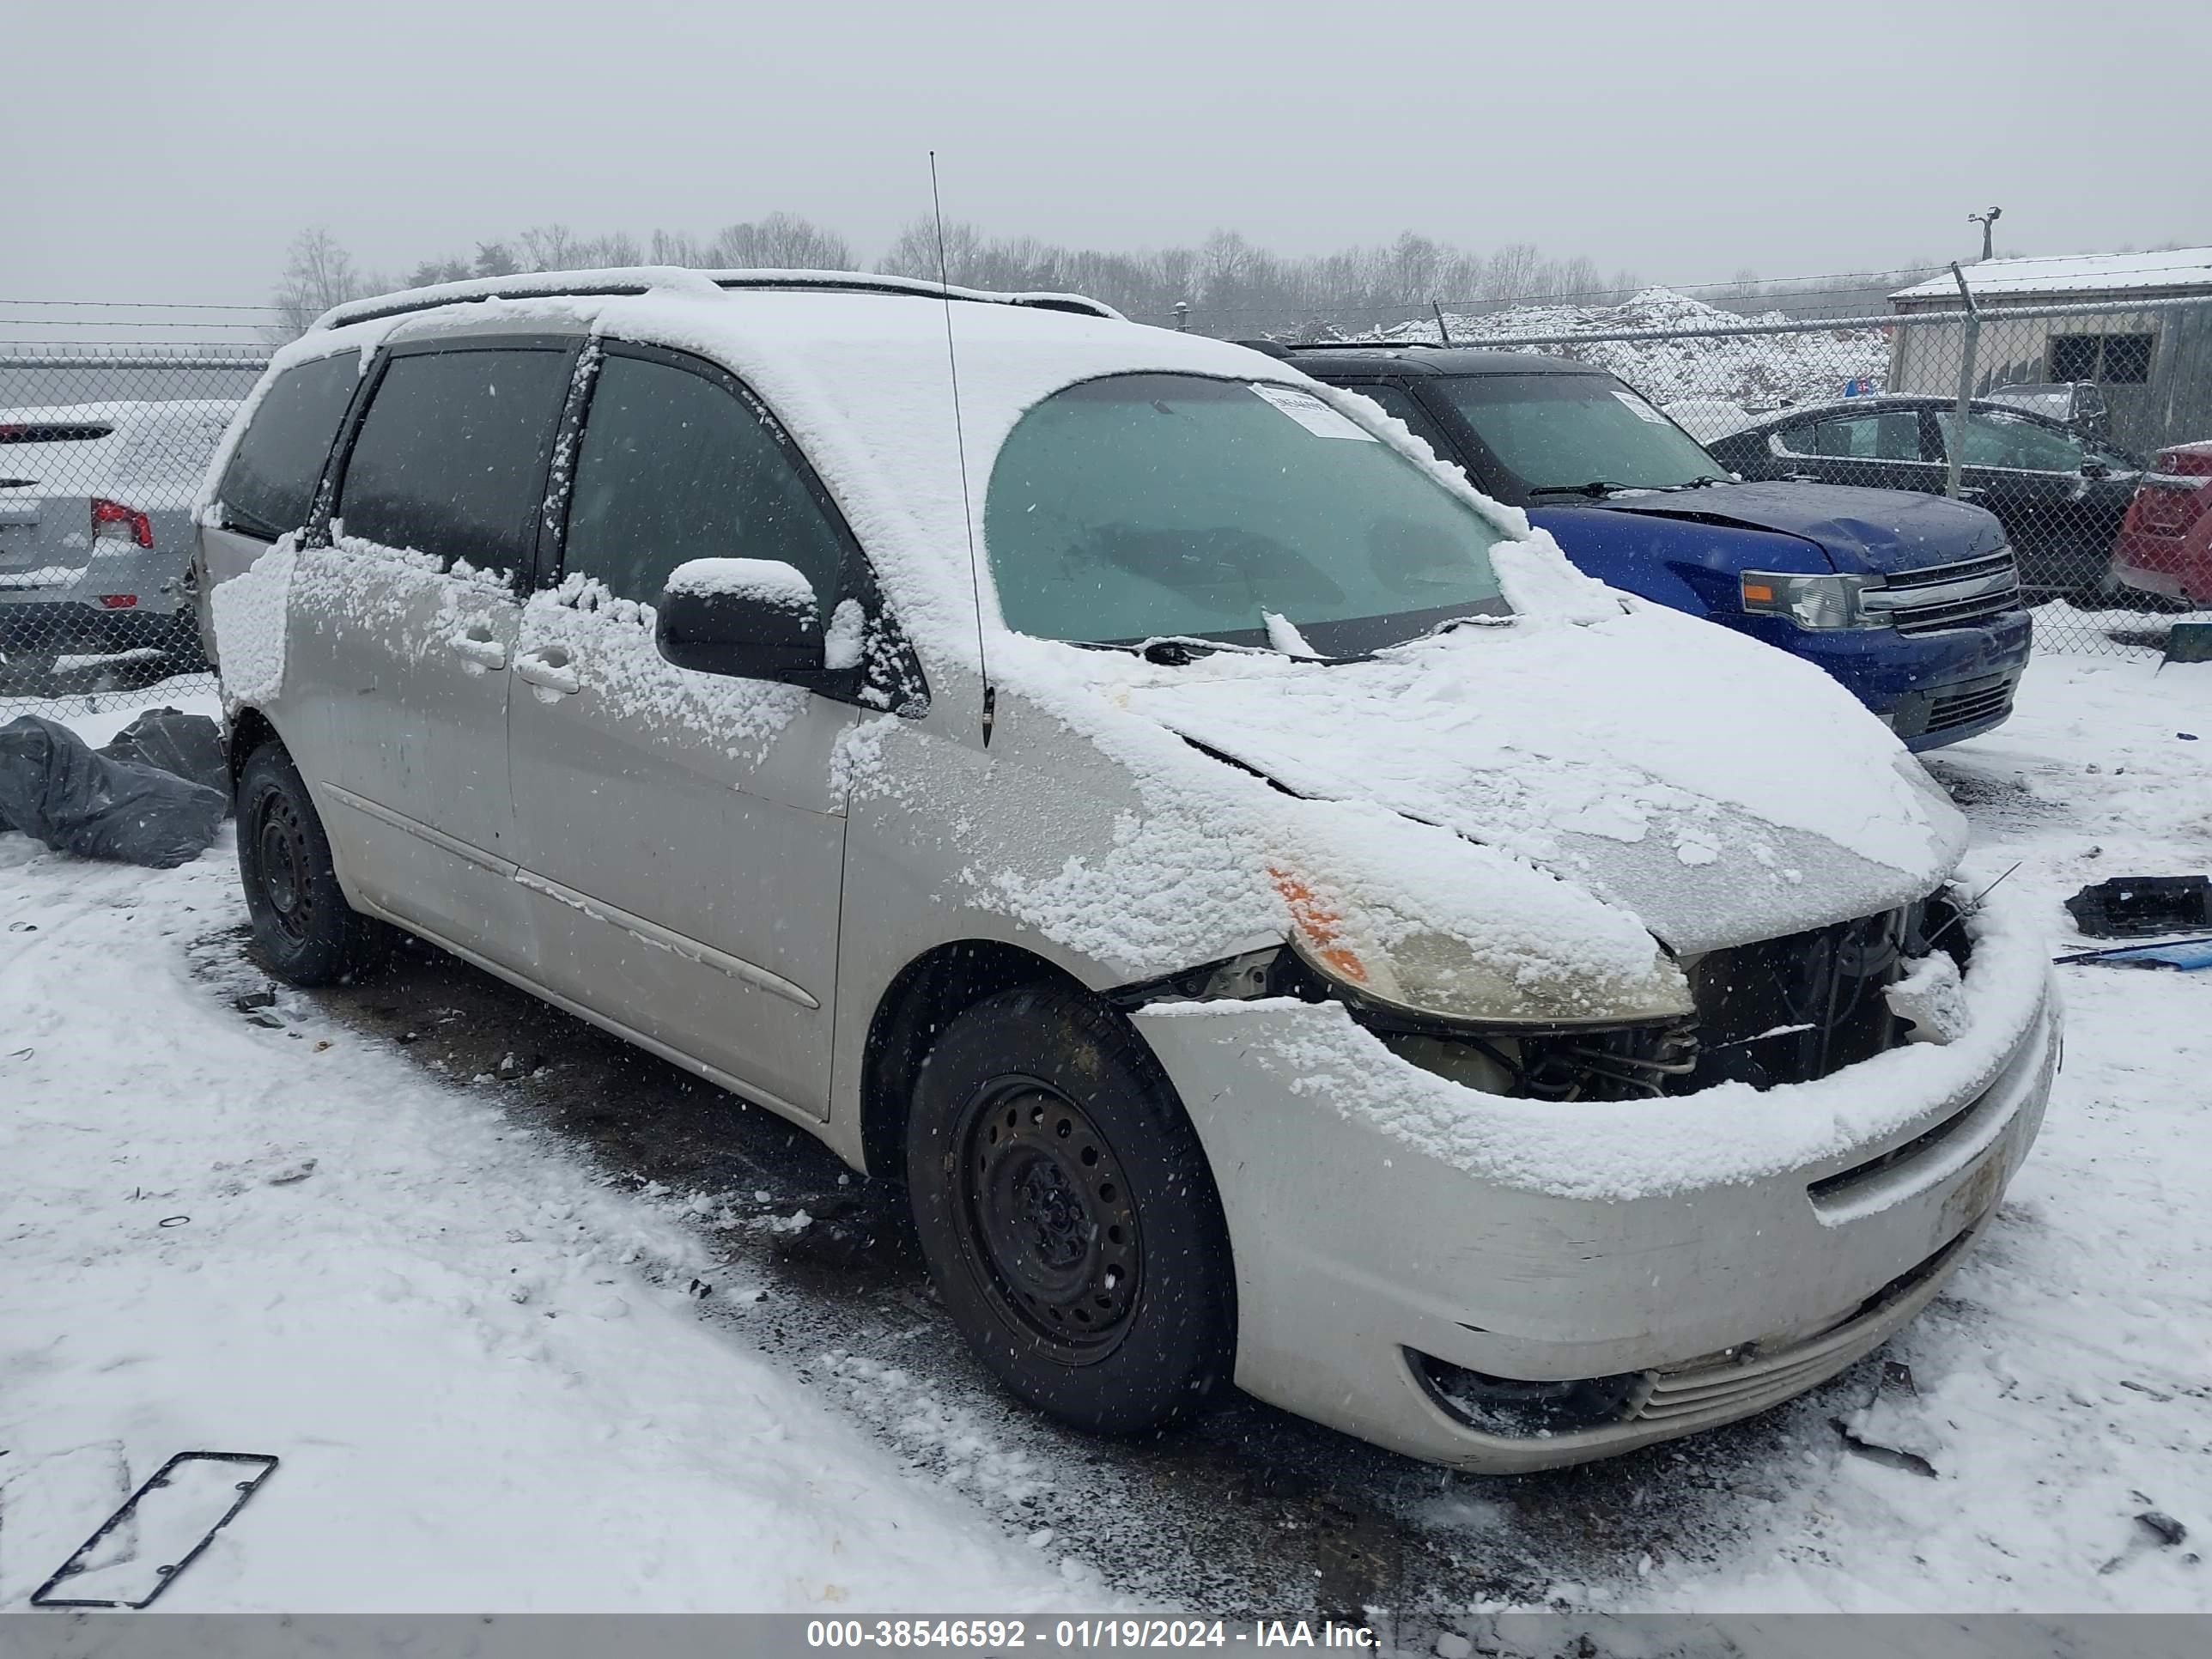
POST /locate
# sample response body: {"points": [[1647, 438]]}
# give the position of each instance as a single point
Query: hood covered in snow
{"points": [[1863, 531], [1719, 791]]}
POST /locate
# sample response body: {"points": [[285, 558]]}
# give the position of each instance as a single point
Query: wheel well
{"points": [[930, 993], [249, 730]]}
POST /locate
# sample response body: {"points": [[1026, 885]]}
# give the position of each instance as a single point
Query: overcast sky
{"points": [[166, 151]]}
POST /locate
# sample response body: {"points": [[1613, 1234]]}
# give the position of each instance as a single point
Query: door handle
{"points": [[479, 649], [551, 678]]}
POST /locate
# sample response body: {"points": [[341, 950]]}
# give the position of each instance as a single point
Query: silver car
{"points": [[1284, 924], [95, 529]]}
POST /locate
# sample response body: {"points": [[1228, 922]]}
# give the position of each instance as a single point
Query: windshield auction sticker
{"points": [[1309, 412]]}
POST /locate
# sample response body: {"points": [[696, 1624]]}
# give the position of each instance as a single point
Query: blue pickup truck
{"points": [[1910, 600]]}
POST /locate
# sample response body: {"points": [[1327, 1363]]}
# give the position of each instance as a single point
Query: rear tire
{"points": [[1067, 1213], [307, 932]]}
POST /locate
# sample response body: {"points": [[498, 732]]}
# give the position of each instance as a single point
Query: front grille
{"points": [[1972, 703], [1958, 613], [1835, 1186], [1750, 1381], [1959, 595]]}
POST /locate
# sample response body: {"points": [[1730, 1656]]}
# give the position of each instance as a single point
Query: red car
{"points": [[2165, 543]]}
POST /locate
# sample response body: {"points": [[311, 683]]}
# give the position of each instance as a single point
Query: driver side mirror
{"points": [[755, 619]]}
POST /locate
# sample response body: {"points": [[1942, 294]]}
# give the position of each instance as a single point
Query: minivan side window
{"points": [[269, 485], [674, 466], [451, 457]]}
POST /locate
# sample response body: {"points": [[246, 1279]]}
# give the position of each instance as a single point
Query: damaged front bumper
{"points": [[1406, 1246]]}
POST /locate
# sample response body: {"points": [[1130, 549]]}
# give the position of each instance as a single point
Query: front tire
{"points": [[307, 932], [1067, 1213]]}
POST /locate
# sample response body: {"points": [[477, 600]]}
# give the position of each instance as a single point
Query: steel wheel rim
{"points": [[1046, 1217], [280, 845]]}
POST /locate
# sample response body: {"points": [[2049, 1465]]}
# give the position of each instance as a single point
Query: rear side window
{"points": [[1891, 435], [270, 482], [451, 457], [674, 466]]}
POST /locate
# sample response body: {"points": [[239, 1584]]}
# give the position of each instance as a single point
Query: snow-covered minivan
{"points": [[1284, 924]]}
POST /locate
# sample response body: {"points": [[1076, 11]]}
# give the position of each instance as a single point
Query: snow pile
{"points": [[1756, 373]]}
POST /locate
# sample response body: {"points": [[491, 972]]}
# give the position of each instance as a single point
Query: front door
{"points": [[681, 835], [1873, 449], [402, 627]]}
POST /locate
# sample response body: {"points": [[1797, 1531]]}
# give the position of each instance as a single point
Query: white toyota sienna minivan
{"points": [[1282, 925]]}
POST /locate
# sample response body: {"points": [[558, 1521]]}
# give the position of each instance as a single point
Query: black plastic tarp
{"points": [[55, 788], [190, 746]]}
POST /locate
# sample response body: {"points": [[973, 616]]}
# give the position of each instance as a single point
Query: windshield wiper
{"points": [[1698, 483], [1171, 650], [1596, 487]]}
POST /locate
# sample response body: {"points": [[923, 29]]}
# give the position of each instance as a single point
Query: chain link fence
{"points": [[101, 450], [2087, 429]]}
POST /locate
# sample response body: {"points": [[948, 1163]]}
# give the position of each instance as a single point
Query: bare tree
{"points": [[678, 247], [319, 273], [549, 247], [784, 241], [913, 253]]}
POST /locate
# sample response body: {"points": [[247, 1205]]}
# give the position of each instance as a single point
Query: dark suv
{"points": [[1912, 601]]}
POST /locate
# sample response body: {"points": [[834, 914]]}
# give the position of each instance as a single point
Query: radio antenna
{"points": [[960, 446]]}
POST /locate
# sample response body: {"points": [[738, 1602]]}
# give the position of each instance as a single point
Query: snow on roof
{"points": [[2074, 273]]}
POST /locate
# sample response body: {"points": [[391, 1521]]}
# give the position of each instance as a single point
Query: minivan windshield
{"points": [[1572, 432], [1142, 507]]}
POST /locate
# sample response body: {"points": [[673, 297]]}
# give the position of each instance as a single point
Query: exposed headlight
{"points": [[1438, 976], [1820, 602]]}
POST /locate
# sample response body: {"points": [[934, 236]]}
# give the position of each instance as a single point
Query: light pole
{"points": [[1987, 222]]}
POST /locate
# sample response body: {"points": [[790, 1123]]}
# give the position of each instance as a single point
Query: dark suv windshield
{"points": [[1561, 431], [1144, 506]]}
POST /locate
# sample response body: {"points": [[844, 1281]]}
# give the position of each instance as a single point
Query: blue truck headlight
{"points": [[1819, 602]]}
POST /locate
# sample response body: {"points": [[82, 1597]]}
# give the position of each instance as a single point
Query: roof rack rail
{"points": [[1367, 345], [846, 282], [645, 279]]}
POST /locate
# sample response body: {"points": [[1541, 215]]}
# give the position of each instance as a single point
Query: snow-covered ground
{"points": [[481, 1363], [476, 1363]]}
